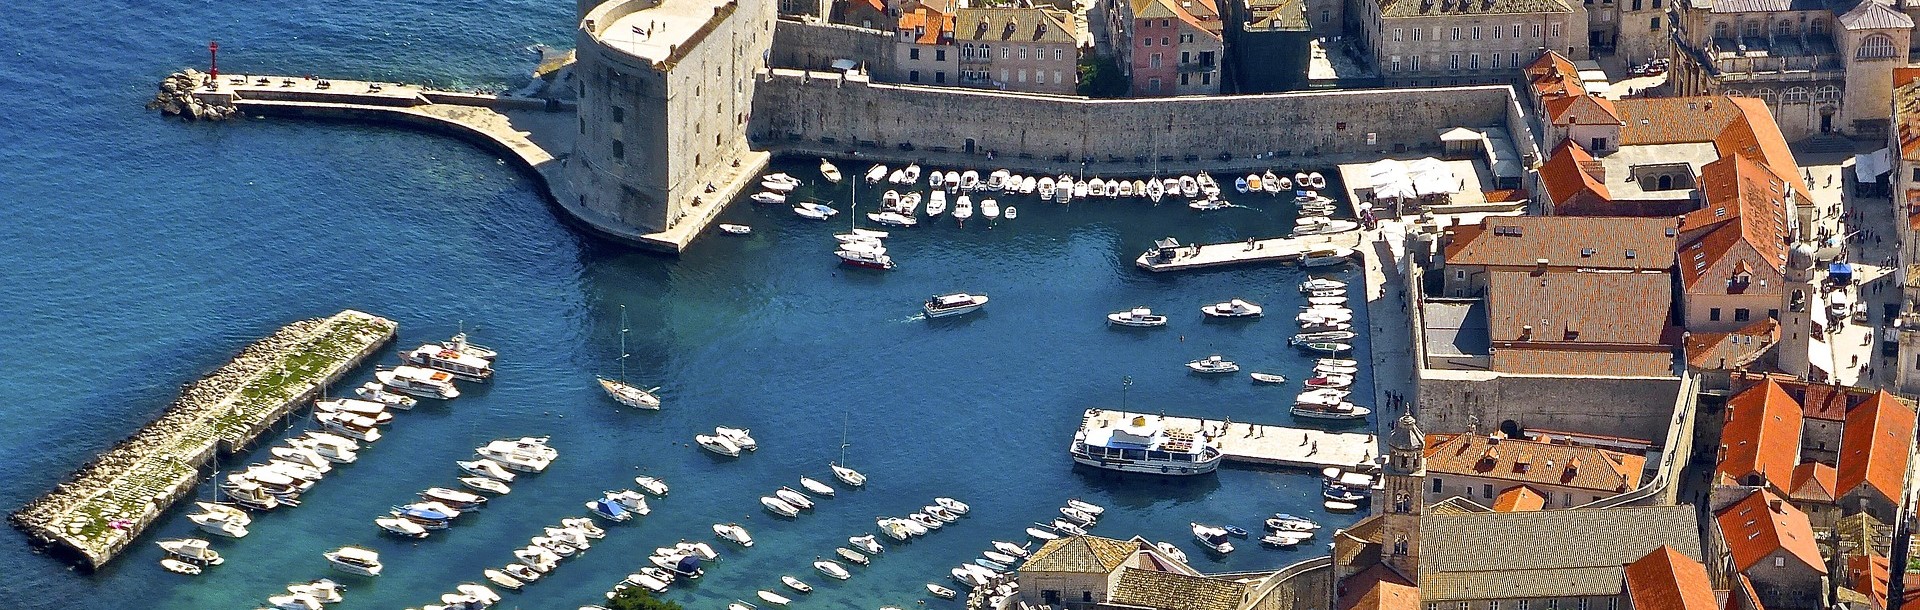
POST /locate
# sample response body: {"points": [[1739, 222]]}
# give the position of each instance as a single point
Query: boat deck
{"points": [[1261, 444], [1270, 250]]}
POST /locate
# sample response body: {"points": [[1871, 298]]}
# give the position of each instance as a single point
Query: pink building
{"points": [[1171, 47]]}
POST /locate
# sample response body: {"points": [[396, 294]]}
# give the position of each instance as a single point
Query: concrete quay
{"points": [[1270, 250], [1258, 444], [105, 505]]}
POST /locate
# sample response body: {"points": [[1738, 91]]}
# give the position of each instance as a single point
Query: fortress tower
{"points": [[666, 89]]}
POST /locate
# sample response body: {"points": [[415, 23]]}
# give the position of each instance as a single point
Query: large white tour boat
{"points": [[1144, 444]]}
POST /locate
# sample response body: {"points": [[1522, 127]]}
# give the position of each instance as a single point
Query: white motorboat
{"points": [[1046, 187], [362, 408], [401, 527], [852, 556], [966, 577], [682, 566], [868, 544], [1331, 380], [1096, 187], [486, 468], [354, 560], [1081, 189], [1234, 308], [516, 456], [832, 569], [941, 592], [350, 426], [892, 219], [1079, 517], [848, 475], [179, 567], [893, 529], [373, 391], [936, 180], [192, 550], [813, 211], [502, 579], [1289, 523], [1320, 284], [454, 498], [1189, 186], [912, 174], [1268, 377], [1119, 446], [990, 208], [250, 494], [913, 527], [630, 500], [768, 197], [485, 484], [1323, 226], [1327, 256], [733, 532], [652, 485], [795, 583], [717, 444], [584, 526], [898, 176], [1344, 411], [1028, 184], [1067, 527], [779, 507], [828, 171], [1040, 534], [794, 498], [419, 381], [865, 256], [773, 598], [998, 179], [1213, 365], [780, 178], [736, 229], [740, 437], [779, 187], [231, 513], [1138, 317], [1210, 204], [1285, 539], [293, 602], [304, 457], [1315, 180], [439, 357], [1000, 558], [1214, 538], [936, 203], [890, 200], [943, 305], [698, 549], [926, 521], [816, 487], [1086, 507], [219, 524], [1154, 190], [1172, 551], [937, 512], [1063, 189], [1269, 182], [876, 173], [1126, 189], [969, 180], [951, 180], [963, 209], [538, 561], [521, 572], [1012, 213], [951, 505]]}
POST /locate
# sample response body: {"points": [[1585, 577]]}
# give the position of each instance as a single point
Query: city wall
{"points": [[816, 111], [811, 44], [1636, 407]]}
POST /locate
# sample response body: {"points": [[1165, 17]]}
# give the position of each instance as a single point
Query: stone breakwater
{"points": [[103, 506], [176, 98]]}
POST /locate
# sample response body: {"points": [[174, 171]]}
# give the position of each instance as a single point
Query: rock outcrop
{"points": [[176, 98]]}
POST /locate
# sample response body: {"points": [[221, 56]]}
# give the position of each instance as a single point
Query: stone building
{"points": [[1760, 439], [666, 87], [1017, 49], [1875, 451], [1767, 540], [1796, 56], [924, 51], [1484, 467], [1091, 572], [1559, 243], [1168, 47], [1441, 42]]}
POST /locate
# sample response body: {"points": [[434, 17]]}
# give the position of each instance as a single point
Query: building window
{"points": [[1163, 23], [1023, 52], [1493, 604], [1146, 42], [1183, 79], [1453, 61], [1795, 95], [1495, 58], [619, 114], [939, 54], [1567, 500], [1436, 485], [1713, 315], [1476, 32], [1413, 63], [1783, 28], [1523, 604], [1023, 75], [1185, 57], [1516, 30], [1186, 38], [1206, 78], [1636, 5], [1466, 605], [1059, 54], [940, 77], [1556, 31], [913, 76], [1164, 43], [1583, 603], [1395, 67], [1819, 25], [1516, 54], [1740, 314], [1006, 52], [1156, 60], [1876, 46], [619, 150], [1455, 31], [1536, 30], [1086, 596], [913, 54], [1153, 84], [1496, 32], [1654, 24], [1611, 600], [1486, 491], [1552, 604], [1396, 34], [1473, 61], [1780, 562]]}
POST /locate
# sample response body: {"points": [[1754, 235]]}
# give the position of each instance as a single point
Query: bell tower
{"points": [[1796, 317], [1399, 502]]}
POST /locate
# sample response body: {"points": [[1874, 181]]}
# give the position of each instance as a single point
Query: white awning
{"points": [[1870, 166]]}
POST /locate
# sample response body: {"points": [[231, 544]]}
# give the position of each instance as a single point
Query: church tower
{"points": [[1399, 502], [1796, 317]]}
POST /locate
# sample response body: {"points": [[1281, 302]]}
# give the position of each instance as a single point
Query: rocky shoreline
{"points": [[176, 98], [104, 504]]}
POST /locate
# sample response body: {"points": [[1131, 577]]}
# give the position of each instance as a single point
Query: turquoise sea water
{"points": [[140, 253]]}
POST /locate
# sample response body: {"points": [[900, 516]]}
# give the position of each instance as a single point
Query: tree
{"points": [[636, 598], [1100, 77]]}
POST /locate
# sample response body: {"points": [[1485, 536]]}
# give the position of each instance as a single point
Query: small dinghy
{"points": [[773, 598], [1240, 184], [736, 229], [795, 583], [489, 485], [851, 555], [1268, 378], [828, 171], [832, 569], [1086, 507], [1012, 212], [179, 567], [941, 592], [815, 487]]}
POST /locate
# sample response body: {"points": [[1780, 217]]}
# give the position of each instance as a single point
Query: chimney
{"points": [[1594, 169], [1526, 333], [1539, 265]]}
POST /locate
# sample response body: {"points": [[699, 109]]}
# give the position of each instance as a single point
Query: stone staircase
{"points": [[1827, 143]]}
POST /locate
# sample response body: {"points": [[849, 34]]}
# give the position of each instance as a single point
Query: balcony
{"points": [[1197, 67]]}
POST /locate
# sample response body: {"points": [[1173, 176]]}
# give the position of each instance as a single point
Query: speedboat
{"points": [[179, 567], [892, 219], [1270, 182], [848, 475], [951, 180], [795, 583], [373, 391], [486, 468], [927, 521], [1316, 180], [1341, 493], [852, 555], [441, 358], [1040, 534], [870, 257], [1330, 335], [1327, 300], [401, 527], [941, 592], [736, 229], [1170, 550], [1138, 317], [876, 173], [893, 529], [1189, 186], [429, 515], [1289, 523], [912, 175], [452, 497], [1322, 396], [1236, 531], [492, 486], [1012, 213], [293, 602], [517, 455], [538, 560], [779, 507], [1086, 507], [1045, 185], [192, 550], [741, 605], [780, 178], [963, 209], [1215, 539], [794, 498], [652, 485], [1325, 347], [1321, 226], [733, 532], [1010, 548], [1234, 308], [1331, 381], [717, 444], [683, 566], [354, 560], [990, 208], [419, 381], [814, 211], [1335, 369], [363, 408], [943, 305], [502, 579], [969, 180], [832, 569], [631, 500], [990, 564], [231, 513], [966, 577], [251, 495], [219, 524], [828, 171], [816, 487], [610, 509], [521, 572], [1268, 378], [866, 543], [698, 549], [998, 179], [954, 506], [780, 188], [1028, 184], [914, 528], [740, 437], [1337, 411], [1063, 189], [939, 513], [1207, 205], [1213, 364], [1126, 189], [1284, 539], [584, 526], [936, 203], [898, 176], [773, 598]]}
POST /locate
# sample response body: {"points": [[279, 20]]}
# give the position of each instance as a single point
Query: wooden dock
{"points": [[105, 505], [1170, 255], [1259, 444]]}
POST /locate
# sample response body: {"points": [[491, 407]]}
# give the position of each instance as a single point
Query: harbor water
{"points": [[142, 253]]}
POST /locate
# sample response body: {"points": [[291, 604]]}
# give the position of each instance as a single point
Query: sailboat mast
{"points": [[623, 344], [844, 419]]}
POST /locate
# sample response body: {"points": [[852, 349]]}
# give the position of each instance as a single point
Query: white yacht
{"points": [[485, 484], [990, 208], [1212, 365], [963, 209], [219, 524], [304, 457], [951, 505], [936, 203], [228, 511], [348, 425], [1214, 538], [733, 532], [618, 388], [1341, 410], [892, 219], [1010, 548], [355, 560], [795, 498], [740, 437], [373, 391], [421, 382], [943, 305], [193, 550], [486, 468], [441, 358], [515, 456], [1235, 308], [865, 256], [652, 485], [1138, 317], [814, 211], [401, 527], [832, 569], [717, 444], [867, 543], [1144, 444], [779, 507]]}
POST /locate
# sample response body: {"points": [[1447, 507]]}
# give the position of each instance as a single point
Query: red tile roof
{"points": [[1763, 524], [1731, 350], [1666, 579], [1528, 461], [1564, 176], [1378, 588], [1868, 575], [1594, 242], [1519, 498], [932, 25], [1813, 482], [1556, 83], [1576, 359], [1675, 120], [1761, 435], [1875, 445], [1825, 401], [1745, 204]]}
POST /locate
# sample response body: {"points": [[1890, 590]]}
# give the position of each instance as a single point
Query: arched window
{"points": [[1794, 95], [1765, 94], [1876, 46], [1400, 546], [1722, 30], [1828, 93], [1401, 504], [1666, 182], [1783, 29], [1733, 93]]}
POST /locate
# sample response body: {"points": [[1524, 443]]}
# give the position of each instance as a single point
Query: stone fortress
{"points": [[682, 102]]}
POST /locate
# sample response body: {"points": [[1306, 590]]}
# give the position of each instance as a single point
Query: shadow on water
{"points": [[1134, 491]]}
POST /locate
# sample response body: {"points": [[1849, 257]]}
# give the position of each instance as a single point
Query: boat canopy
{"points": [[357, 555], [424, 513], [609, 506]]}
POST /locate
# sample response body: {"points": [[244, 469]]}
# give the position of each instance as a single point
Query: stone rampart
{"points": [[1635, 407], [812, 44]]}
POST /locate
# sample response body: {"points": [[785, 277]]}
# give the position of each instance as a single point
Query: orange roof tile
{"points": [[1564, 174], [1762, 524], [1731, 350], [926, 25], [1745, 204], [1378, 588], [1599, 242], [1529, 461], [1757, 135], [1813, 482], [1519, 498], [1568, 307], [1675, 120], [1761, 435], [1875, 446], [1868, 575], [1666, 579], [1825, 401]]}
